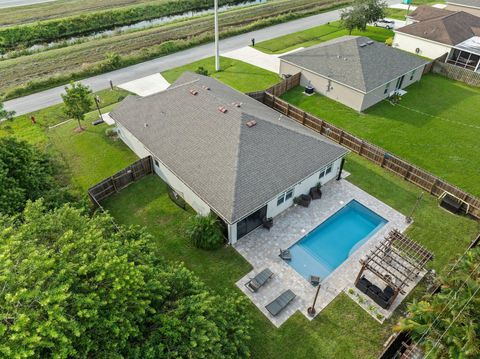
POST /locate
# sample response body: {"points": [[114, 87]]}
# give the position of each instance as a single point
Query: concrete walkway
{"points": [[147, 85]]}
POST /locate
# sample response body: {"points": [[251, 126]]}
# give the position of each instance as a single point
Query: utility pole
{"points": [[217, 51]]}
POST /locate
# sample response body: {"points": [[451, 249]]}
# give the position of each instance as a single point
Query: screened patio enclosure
{"points": [[466, 54]]}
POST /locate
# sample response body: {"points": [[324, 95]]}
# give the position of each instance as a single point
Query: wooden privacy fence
{"points": [[120, 180], [409, 172]]}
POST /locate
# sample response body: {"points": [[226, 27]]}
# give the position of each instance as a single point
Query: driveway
{"points": [[147, 85], [257, 58]]}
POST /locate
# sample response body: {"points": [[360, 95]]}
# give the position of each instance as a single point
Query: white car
{"points": [[386, 24]]}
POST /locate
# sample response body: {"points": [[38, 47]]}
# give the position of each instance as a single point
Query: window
{"points": [[285, 197], [156, 163], [412, 74], [289, 194], [325, 171], [386, 88]]}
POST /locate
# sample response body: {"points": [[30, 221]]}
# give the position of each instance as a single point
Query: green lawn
{"points": [[316, 35], [436, 126], [343, 329], [398, 14], [237, 74]]}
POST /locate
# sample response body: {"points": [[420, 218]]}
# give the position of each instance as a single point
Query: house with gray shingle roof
{"points": [[354, 70], [470, 6], [226, 153]]}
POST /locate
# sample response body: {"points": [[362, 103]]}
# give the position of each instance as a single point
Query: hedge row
{"points": [[17, 37]]}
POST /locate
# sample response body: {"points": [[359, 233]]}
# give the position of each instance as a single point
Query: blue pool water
{"points": [[322, 250]]}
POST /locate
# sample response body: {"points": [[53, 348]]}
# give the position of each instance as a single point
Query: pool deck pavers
{"points": [[261, 248]]}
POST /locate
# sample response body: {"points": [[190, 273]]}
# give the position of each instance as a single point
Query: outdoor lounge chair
{"points": [[259, 280], [280, 303], [285, 254], [316, 192]]}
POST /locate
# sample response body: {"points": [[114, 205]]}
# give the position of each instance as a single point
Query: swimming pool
{"points": [[322, 250]]}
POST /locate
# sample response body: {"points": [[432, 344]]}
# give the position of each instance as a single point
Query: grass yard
{"points": [[398, 14], [436, 126], [237, 74], [317, 35], [343, 329]]}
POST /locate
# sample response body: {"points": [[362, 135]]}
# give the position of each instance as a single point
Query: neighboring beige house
{"points": [[226, 153], [432, 32], [470, 6], [354, 70]]}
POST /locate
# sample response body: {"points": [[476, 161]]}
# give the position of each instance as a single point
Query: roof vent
{"points": [[145, 125], [222, 109], [194, 92], [338, 56], [344, 59], [237, 104], [205, 87], [251, 123], [363, 44], [369, 42]]}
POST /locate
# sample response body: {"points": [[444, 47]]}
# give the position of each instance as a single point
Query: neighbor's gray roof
{"points": [[450, 29], [364, 68], [233, 168], [426, 12], [469, 3]]}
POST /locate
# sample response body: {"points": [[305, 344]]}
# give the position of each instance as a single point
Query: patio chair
{"points": [[316, 192], [303, 200], [280, 303], [285, 254], [267, 223], [259, 280]]}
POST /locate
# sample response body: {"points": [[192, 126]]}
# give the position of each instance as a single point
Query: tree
{"points": [[354, 18], [453, 313], [75, 286], [5, 114], [77, 101], [26, 173], [362, 13], [205, 232]]}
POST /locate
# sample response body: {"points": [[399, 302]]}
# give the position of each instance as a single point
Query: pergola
{"points": [[397, 260]]}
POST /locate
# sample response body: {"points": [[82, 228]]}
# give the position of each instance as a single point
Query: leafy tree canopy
{"points": [[26, 173], [361, 13], [447, 323], [74, 286], [77, 101]]}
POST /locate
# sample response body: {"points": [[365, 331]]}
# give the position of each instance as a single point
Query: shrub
{"points": [[205, 232], [111, 132], [201, 71], [389, 41]]}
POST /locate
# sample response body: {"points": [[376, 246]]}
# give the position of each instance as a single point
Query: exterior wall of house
{"points": [[322, 85], [471, 10], [303, 187], [167, 176], [427, 48], [378, 94]]}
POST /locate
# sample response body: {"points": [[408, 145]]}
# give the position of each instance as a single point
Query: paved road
{"points": [[12, 3], [50, 97]]}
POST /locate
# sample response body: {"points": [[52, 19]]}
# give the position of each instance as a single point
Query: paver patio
{"points": [[261, 249]]}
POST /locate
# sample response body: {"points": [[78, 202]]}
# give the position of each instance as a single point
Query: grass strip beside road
{"points": [[317, 35]]}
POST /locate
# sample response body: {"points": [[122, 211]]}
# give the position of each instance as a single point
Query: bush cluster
{"points": [[205, 232], [18, 37]]}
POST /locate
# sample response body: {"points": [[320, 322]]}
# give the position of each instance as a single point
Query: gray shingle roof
{"points": [[363, 68], [234, 168]]}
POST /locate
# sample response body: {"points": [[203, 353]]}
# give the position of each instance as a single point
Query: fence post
{"points": [[341, 137], [433, 185], [113, 184], [288, 109], [407, 172], [361, 148], [321, 126], [303, 117]]}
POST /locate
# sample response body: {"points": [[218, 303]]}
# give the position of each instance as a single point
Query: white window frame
{"points": [[283, 197], [325, 171]]}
